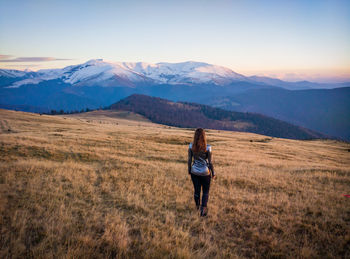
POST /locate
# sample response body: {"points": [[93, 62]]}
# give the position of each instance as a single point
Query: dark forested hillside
{"points": [[182, 114]]}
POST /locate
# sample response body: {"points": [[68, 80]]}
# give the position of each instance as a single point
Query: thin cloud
{"points": [[8, 58], [5, 57], [23, 66]]}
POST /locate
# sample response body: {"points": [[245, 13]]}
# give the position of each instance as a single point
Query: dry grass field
{"points": [[113, 185]]}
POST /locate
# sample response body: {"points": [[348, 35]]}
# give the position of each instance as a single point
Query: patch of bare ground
{"points": [[101, 186]]}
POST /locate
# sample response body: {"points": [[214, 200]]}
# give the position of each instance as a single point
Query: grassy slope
{"points": [[82, 186]]}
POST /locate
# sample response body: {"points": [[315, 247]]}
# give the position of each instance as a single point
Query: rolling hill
{"points": [[192, 115]]}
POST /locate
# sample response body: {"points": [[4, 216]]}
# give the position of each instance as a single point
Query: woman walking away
{"points": [[201, 170]]}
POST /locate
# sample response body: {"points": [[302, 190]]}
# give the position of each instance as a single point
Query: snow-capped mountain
{"points": [[185, 72], [101, 73], [12, 73]]}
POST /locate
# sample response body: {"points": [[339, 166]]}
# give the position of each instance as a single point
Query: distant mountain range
{"points": [[192, 115], [127, 74], [97, 83]]}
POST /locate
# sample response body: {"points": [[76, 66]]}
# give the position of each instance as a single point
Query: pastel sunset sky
{"points": [[290, 40]]}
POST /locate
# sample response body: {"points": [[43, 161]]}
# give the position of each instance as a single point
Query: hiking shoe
{"points": [[204, 211]]}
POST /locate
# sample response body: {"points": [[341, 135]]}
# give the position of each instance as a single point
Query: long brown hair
{"points": [[199, 141]]}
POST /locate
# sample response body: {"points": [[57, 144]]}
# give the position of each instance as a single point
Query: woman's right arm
{"points": [[189, 161]]}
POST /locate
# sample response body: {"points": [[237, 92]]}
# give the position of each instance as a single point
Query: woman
{"points": [[201, 170]]}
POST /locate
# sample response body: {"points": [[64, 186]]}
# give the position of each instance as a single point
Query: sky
{"points": [[290, 40]]}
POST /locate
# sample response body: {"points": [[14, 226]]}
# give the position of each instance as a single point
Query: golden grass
{"points": [[103, 185]]}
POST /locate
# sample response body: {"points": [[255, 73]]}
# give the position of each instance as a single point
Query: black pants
{"points": [[198, 182]]}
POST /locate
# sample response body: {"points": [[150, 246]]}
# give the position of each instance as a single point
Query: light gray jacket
{"points": [[202, 162]]}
